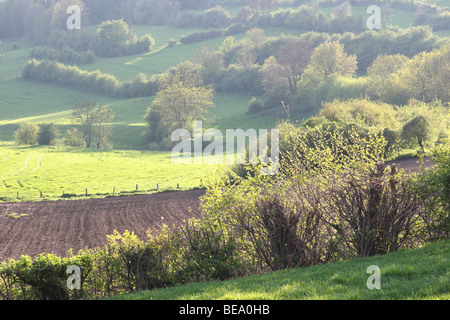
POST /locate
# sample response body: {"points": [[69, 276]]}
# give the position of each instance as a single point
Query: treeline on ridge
{"points": [[276, 66]]}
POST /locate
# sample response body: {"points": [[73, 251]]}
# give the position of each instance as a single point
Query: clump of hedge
{"points": [[56, 72], [197, 36], [195, 252], [66, 55]]}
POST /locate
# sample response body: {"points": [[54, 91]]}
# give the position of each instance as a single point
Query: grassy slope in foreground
{"points": [[407, 274]]}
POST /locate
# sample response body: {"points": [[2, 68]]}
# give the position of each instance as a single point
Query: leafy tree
{"points": [[254, 38], [427, 75], [383, 79], [104, 129], [294, 57], [181, 99], [216, 17], [91, 116], [247, 58], [249, 46], [423, 124], [328, 59], [180, 104], [436, 182], [27, 133], [417, 128], [48, 133], [144, 44], [113, 37], [210, 61], [185, 72], [228, 50], [274, 79], [227, 45]]}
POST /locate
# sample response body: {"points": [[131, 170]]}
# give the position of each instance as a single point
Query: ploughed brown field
{"points": [[55, 227]]}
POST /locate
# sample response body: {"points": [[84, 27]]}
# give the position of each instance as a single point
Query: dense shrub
{"points": [[335, 88], [199, 250], [369, 44], [435, 185], [114, 38], [236, 28], [27, 133], [372, 212], [209, 251], [48, 133], [236, 79], [255, 105], [283, 234], [216, 17], [198, 36], [44, 277]]}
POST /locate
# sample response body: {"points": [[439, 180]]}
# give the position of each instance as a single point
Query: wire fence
{"points": [[28, 195]]}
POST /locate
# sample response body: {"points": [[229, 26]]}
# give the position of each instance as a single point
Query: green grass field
{"points": [[54, 170], [420, 274], [40, 102]]}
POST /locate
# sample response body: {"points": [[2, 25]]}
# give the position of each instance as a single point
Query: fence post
{"points": [[114, 190], [86, 191]]}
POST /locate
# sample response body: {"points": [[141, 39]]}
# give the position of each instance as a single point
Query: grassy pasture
{"points": [[54, 170]]}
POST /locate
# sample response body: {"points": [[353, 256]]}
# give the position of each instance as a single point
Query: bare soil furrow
{"points": [[55, 227]]}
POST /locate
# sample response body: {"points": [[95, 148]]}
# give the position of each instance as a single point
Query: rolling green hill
{"points": [[40, 102]]}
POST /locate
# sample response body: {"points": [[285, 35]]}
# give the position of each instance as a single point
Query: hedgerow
{"points": [[55, 72]]}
